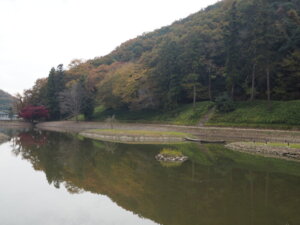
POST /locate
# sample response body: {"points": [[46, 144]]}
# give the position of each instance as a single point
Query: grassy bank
{"points": [[258, 114], [182, 115]]}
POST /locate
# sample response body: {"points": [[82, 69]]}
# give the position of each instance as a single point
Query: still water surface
{"points": [[62, 179]]}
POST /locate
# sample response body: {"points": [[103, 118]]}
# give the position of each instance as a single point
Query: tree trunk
{"points": [[253, 83], [209, 85], [268, 87], [232, 91], [194, 97]]}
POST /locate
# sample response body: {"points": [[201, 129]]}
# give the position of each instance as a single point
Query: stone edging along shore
{"points": [[265, 150], [131, 138]]}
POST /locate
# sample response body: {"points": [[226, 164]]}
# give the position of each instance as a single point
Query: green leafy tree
{"points": [[88, 97], [55, 85], [289, 77], [224, 103]]}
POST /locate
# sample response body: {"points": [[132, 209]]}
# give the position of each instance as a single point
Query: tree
{"points": [[224, 103], [289, 77], [37, 95], [232, 48], [267, 43], [252, 41], [191, 82], [166, 75], [34, 113], [55, 85], [88, 98], [71, 100], [19, 103]]}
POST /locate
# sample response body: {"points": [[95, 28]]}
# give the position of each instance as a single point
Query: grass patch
{"points": [[257, 114], [277, 144], [254, 125], [171, 152], [182, 115], [80, 117]]}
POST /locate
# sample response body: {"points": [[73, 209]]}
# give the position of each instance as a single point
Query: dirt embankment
{"points": [[204, 133]]}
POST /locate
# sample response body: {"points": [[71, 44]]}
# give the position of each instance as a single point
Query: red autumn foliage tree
{"points": [[32, 113], [29, 140]]}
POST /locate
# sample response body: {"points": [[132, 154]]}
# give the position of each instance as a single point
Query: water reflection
{"points": [[13, 131], [215, 186]]}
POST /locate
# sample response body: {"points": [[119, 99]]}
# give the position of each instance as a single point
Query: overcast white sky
{"points": [[36, 35]]}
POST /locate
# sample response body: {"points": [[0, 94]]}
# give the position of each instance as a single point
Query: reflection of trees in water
{"points": [[72, 188], [12, 131], [211, 188], [46, 151], [110, 146]]}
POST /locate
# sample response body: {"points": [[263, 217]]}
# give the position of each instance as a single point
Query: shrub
{"points": [[224, 103]]}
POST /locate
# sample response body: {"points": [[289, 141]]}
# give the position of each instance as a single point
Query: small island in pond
{"points": [[135, 136]]}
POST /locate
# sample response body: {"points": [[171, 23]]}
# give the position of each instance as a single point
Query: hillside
{"points": [[246, 49], [220, 49], [5, 100]]}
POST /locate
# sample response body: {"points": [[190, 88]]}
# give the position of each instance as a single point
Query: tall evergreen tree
{"points": [[232, 48], [166, 76], [55, 85]]}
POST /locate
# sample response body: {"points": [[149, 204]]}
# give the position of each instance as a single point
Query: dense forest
{"points": [[244, 49]]}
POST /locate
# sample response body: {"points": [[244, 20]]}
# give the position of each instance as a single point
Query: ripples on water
{"points": [[55, 178]]}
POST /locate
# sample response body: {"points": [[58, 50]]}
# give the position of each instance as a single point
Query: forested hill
{"points": [[5, 100], [249, 49], [228, 47]]}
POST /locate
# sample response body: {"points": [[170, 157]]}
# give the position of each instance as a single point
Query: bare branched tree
{"points": [[111, 121], [71, 100]]}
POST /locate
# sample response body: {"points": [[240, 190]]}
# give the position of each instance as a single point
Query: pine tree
{"points": [[55, 85]]}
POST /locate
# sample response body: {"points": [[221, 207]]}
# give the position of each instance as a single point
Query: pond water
{"points": [[55, 178]]}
